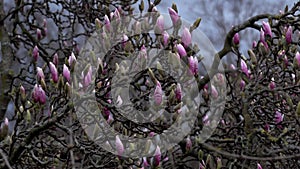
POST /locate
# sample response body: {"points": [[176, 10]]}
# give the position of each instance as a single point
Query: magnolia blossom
{"points": [[272, 85], [66, 72], [193, 65], [267, 28], [242, 84], [119, 146], [40, 73], [38, 34], [165, 38], [35, 53], [288, 35], [259, 166], [160, 23], [178, 92], [87, 78], [278, 117], [297, 60], [157, 156], [181, 50], [72, 59], [38, 94], [186, 37], [174, 15], [158, 94], [188, 144], [236, 39], [54, 73], [22, 92], [55, 59], [107, 22], [244, 67]]}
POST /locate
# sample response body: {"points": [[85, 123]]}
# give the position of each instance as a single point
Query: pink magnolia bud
{"points": [[188, 144], [66, 72], [117, 15], [278, 117], [174, 15], [72, 59], [267, 28], [272, 85], [145, 162], [160, 23], [193, 65], [242, 84], [181, 50], [124, 40], [35, 53], [107, 23], [236, 39], [38, 94], [244, 67], [38, 34], [262, 35], [186, 37], [178, 92], [214, 92], [54, 73], [259, 166], [40, 73], [55, 59], [288, 35], [6, 122], [165, 38], [119, 146], [143, 52], [88, 78], [297, 60], [157, 157], [158, 94]]}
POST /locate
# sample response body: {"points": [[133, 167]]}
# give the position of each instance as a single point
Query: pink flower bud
{"points": [[259, 166], [178, 92], [38, 34], [143, 52], [6, 122], [158, 94], [145, 162], [272, 85], [38, 94], [174, 15], [214, 92], [165, 38], [181, 50], [186, 37], [22, 92], [242, 84], [117, 15], [107, 23], [66, 72], [88, 78], [160, 23], [157, 156], [288, 35], [72, 59], [54, 73], [40, 73], [262, 35], [188, 144], [278, 117], [35, 53], [124, 40], [55, 59], [244, 67], [236, 39], [119, 146], [297, 59], [267, 28], [193, 65]]}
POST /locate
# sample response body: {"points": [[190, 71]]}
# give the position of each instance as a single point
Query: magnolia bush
{"points": [[51, 68]]}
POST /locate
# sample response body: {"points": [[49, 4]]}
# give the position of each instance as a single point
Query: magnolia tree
{"points": [[97, 85]]}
